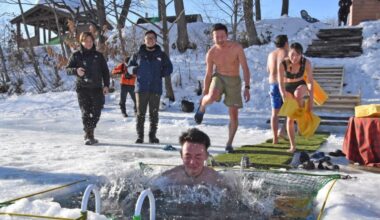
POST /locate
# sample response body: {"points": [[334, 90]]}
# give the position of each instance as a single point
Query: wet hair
{"points": [[195, 135], [86, 34], [280, 40], [151, 32], [297, 47], [219, 26]]}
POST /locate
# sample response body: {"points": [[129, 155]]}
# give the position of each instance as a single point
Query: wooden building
{"points": [[364, 10], [42, 17]]}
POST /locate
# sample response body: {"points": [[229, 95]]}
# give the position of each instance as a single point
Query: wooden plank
{"points": [[335, 107], [328, 48], [323, 80], [338, 102]]}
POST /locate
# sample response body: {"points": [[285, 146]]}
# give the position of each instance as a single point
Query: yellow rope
{"points": [[35, 216], [45, 191], [324, 202]]}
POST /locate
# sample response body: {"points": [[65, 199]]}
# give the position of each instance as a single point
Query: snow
{"points": [[41, 134]]}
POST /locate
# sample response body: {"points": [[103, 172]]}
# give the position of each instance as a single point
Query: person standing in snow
{"points": [[150, 64], [344, 10], [274, 60], [127, 86], [292, 84], [223, 61], [92, 83]]}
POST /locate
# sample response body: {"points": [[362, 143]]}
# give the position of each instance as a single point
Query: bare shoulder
{"points": [[236, 45], [172, 172]]}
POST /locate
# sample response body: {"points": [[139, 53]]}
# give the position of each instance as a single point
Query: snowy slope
{"points": [[41, 135]]}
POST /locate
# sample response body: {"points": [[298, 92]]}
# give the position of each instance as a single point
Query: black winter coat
{"points": [[96, 74]]}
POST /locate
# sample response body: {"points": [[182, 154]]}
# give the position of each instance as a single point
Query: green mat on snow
{"points": [[267, 155]]}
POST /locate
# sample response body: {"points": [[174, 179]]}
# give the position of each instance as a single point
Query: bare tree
{"points": [[121, 19], [285, 7], [232, 8], [258, 10], [253, 39], [42, 83], [183, 38], [4, 73], [165, 32]]}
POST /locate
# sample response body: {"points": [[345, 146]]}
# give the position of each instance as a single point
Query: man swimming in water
{"points": [[194, 154]]}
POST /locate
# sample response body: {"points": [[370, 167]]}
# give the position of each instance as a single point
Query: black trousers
{"points": [[142, 101], [124, 91], [91, 102]]}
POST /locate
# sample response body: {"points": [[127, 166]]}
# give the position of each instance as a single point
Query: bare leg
{"points": [[208, 99], [274, 124], [234, 122], [291, 135]]}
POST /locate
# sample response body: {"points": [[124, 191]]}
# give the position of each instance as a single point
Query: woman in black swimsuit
{"points": [[292, 83]]}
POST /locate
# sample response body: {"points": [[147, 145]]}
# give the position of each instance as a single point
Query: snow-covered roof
{"points": [[71, 3]]}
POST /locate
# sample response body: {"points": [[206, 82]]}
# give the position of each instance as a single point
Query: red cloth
{"points": [[362, 141], [121, 69]]}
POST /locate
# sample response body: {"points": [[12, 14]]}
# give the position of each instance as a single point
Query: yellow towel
{"points": [[320, 96]]}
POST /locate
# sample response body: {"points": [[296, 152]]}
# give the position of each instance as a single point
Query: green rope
{"points": [[324, 202], [6, 203], [34, 216]]}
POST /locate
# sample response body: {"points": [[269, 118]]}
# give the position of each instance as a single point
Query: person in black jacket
{"points": [[344, 10], [150, 64], [92, 83]]}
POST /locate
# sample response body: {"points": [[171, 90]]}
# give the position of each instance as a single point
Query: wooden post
{"points": [[44, 32], [18, 34], [37, 35]]}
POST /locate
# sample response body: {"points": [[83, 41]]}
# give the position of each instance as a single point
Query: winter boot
{"points": [[123, 111], [140, 129], [91, 139], [153, 139]]}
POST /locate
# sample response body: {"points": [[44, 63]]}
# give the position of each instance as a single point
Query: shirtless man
{"points": [[222, 77], [193, 153], [274, 60]]}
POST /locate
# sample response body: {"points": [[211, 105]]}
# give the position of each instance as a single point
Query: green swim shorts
{"points": [[230, 86]]}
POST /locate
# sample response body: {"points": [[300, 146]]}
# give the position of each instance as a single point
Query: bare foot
{"points": [[275, 141], [291, 150]]}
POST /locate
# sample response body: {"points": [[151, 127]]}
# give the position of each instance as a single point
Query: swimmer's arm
{"points": [[280, 79], [209, 70]]}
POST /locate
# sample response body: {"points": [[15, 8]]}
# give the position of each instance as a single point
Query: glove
{"points": [[127, 75]]}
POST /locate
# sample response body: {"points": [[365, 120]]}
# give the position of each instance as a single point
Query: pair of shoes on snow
{"points": [[151, 140], [198, 117], [327, 165], [299, 158], [337, 153], [307, 165]]}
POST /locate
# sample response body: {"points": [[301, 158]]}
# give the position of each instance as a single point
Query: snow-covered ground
{"points": [[41, 135]]}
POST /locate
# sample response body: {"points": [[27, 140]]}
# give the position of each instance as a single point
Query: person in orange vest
{"points": [[127, 85]]}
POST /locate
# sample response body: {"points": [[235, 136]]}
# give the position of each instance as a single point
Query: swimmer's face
{"points": [[219, 37], [193, 156], [294, 56]]}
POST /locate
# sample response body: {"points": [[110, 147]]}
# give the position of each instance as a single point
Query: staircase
{"points": [[335, 43], [331, 80]]}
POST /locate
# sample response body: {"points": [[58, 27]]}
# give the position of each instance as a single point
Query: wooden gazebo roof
{"points": [[42, 16]]}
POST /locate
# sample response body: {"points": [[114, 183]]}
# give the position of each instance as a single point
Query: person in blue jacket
{"points": [[150, 64]]}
